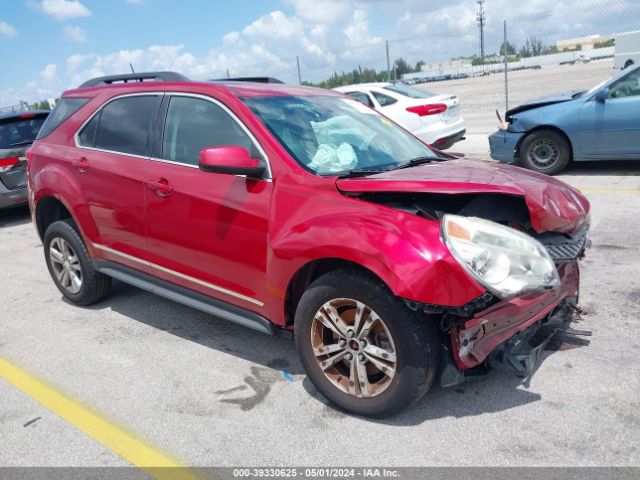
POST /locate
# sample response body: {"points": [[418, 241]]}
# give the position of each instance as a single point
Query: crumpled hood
{"points": [[543, 101], [553, 205]]}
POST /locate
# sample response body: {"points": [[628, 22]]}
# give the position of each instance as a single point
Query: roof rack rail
{"points": [[248, 79], [136, 77]]}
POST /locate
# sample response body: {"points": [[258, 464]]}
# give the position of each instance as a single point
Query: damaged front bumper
{"points": [[514, 331]]}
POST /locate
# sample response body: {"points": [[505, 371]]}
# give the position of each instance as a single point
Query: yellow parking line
{"points": [[114, 438], [611, 190]]}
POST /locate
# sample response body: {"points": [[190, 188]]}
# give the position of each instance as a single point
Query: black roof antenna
{"points": [[132, 70]]}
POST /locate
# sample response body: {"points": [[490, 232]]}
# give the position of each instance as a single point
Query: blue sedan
{"points": [[547, 133]]}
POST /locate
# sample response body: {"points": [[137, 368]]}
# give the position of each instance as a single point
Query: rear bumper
{"points": [[446, 142], [432, 133], [473, 341], [12, 198], [502, 145]]}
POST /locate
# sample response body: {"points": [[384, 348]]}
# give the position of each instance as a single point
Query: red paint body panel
{"points": [[251, 237]]}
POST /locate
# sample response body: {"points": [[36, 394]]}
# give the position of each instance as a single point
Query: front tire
{"points": [[71, 266], [362, 347], [545, 151]]}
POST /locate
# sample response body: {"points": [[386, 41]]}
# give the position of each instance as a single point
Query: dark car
{"points": [[17, 133]]}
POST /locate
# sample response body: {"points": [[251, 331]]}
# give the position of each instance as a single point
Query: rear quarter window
{"points": [[64, 109]]}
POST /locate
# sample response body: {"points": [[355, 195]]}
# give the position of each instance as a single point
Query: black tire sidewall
{"points": [[63, 229], [410, 367], [564, 152]]}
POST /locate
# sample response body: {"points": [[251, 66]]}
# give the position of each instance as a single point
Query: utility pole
{"points": [[506, 69], [388, 62], [299, 76], [482, 20]]}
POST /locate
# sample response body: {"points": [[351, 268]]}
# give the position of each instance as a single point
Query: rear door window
{"points": [[20, 131], [125, 123]]}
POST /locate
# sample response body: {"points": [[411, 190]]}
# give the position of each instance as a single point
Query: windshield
{"points": [[20, 131], [411, 92], [612, 79], [332, 135]]}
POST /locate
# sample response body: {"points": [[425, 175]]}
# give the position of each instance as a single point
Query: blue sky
{"points": [[52, 45]]}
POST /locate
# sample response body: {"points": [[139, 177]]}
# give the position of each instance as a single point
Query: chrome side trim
{"points": [[178, 274]]}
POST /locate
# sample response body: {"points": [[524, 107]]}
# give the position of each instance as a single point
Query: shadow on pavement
{"points": [[497, 391], [14, 216], [604, 168], [272, 352]]}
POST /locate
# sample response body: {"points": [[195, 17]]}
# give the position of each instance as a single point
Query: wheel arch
{"points": [[50, 209], [312, 270]]}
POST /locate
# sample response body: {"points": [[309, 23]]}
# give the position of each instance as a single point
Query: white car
{"points": [[433, 118]]}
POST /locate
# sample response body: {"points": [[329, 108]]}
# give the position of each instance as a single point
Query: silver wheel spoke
{"points": [[366, 327], [328, 349], [335, 318], [388, 370], [353, 376], [329, 362], [358, 317], [56, 255], [64, 281], [76, 283], [363, 378], [322, 318], [380, 353]]}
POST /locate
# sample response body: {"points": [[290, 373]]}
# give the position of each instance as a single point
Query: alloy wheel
{"points": [[66, 265], [353, 347]]}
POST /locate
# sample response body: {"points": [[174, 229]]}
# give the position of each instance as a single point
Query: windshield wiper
{"points": [[417, 161], [363, 172], [24, 142]]}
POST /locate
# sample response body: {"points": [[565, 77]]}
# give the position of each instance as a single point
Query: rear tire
{"points": [[394, 353], [545, 151], [71, 266]]}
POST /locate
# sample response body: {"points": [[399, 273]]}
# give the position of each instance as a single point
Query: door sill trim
{"points": [[187, 297]]}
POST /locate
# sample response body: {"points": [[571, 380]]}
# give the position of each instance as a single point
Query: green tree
{"points": [[507, 48], [401, 66]]}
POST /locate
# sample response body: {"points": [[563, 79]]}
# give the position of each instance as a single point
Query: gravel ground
{"points": [[211, 393], [481, 96]]}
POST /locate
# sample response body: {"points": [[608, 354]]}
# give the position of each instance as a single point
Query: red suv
{"points": [[286, 208]]}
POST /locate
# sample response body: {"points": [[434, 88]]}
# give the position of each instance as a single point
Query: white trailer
{"points": [[627, 49]]}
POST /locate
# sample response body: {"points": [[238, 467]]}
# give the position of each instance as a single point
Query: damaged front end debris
{"points": [[523, 351]]}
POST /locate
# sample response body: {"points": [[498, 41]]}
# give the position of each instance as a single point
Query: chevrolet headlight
{"points": [[503, 260]]}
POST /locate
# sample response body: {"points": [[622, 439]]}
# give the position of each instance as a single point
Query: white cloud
{"points": [[322, 11], [64, 9], [75, 34], [334, 36], [274, 25], [231, 37], [49, 72], [7, 30]]}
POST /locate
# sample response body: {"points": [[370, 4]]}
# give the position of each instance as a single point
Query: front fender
{"points": [[402, 249]]}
